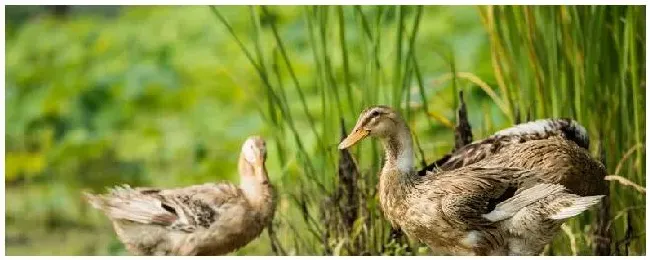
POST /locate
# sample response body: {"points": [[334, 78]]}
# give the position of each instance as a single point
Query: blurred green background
{"points": [[164, 96]]}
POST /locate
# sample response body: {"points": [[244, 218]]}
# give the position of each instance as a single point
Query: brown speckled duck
{"points": [[206, 219], [480, 209]]}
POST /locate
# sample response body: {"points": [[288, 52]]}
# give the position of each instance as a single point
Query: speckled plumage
{"points": [[557, 160], [566, 129], [447, 210], [206, 219], [535, 225]]}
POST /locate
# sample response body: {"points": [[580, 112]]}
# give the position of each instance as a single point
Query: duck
{"points": [[205, 219], [548, 128], [475, 209]]}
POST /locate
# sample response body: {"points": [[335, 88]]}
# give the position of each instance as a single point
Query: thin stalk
{"points": [[296, 83], [248, 55], [331, 82], [346, 66], [635, 84], [418, 77], [397, 65]]}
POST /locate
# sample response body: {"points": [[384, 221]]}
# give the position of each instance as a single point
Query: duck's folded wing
{"points": [[469, 193], [508, 208], [202, 205], [183, 209]]}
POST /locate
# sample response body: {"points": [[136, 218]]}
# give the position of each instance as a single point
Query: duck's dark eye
{"points": [[374, 113]]}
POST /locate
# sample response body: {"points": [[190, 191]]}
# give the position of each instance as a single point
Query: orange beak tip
{"points": [[352, 139]]}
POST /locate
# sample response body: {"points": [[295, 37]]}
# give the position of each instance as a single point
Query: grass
{"points": [[580, 62]]}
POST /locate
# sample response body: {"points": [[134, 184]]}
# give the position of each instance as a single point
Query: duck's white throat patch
{"points": [[405, 161], [249, 150]]}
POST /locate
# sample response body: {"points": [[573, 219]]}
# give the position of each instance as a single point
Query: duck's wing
{"points": [[508, 208], [480, 196], [185, 209], [536, 130], [467, 194]]}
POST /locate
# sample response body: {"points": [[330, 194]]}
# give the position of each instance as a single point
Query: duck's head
{"points": [[252, 159], [377, 121], [254, 151]]}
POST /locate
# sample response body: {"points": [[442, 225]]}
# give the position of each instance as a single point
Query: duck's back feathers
{"points": [[536, 130], [184, 209], [544, 128], [558, 161]]}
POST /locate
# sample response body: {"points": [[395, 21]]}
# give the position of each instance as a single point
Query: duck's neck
{"points": [[255, 185], [398, 175], [398, 148]]}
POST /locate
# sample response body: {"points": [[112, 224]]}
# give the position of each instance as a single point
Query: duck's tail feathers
{"points": [[578, 205], [127, 204]]}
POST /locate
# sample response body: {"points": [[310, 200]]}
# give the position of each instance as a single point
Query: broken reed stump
{"points": [[345, 201], [346, 192], [326, 216], [602, 237], [462, 135], [462, 131]]}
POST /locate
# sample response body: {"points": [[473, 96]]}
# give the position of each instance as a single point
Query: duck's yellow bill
{"points": [[353, 138]]}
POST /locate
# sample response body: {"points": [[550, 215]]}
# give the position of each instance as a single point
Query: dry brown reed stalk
{"points": [[463, 130], [602, 236]]}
